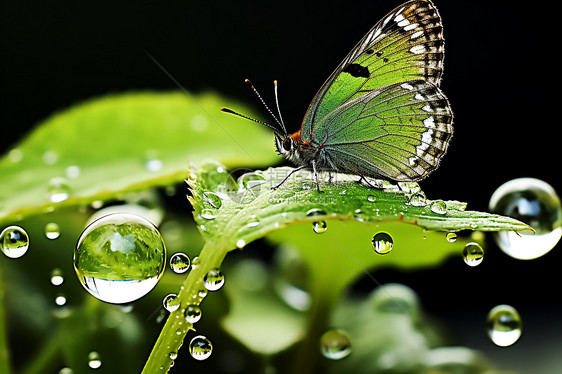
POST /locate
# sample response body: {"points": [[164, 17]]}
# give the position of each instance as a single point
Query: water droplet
{"points": [[358, 215], [254, 221], [94, 360], [241, 243], [207, 214], [202, 293], [52, 230], [58, 189], [250, 180], [388, 186], [179, 263], [73, 172], [56, 277], [451, 237], [66, 370], [96, 204], [382, 243], [119, 258], [214, 280], [212, 199], [409, 187], [171, 302], [536, 203], [14, 241], [371, 198], [195, 262], [315, 212], [438, 207], [173, 355], [319, 227], [473, 254], [200, 348], [60, 300], [192, 314], [50, 157], [504, 325], [335, 344], [417, 199], [153, 164]]}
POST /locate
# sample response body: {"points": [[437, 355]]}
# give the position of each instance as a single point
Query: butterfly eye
{"points": [[287, 144]]}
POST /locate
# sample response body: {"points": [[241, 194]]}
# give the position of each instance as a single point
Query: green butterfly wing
{"points": [[405, 45], [399, 132]]}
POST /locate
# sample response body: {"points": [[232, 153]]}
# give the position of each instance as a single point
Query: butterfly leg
{"points": [[315, 172], [287, 177], [329, 177], [363, 179]]}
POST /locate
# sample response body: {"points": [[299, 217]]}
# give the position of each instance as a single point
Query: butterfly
{"points": [[381, 113]]}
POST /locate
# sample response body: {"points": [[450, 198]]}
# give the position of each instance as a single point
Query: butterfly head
{"points": [[284, 144]]}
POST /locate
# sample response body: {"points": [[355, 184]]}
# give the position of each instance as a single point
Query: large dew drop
{"points": [[14, 241], [200, 348], [335, 344], [536, 203], [119, 258], [504, 325]]}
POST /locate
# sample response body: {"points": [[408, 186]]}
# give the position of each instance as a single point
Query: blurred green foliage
{"points": [[115, 151]]}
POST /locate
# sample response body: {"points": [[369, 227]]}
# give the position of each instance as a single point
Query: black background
{"points": [[501, 76]]}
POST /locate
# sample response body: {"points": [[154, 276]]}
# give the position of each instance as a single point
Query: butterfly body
{"points": [[381, 113]]}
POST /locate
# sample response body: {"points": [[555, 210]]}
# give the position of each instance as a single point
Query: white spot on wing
{"points": [[427, 108], [429, 122], [410, 26], [417, 49]]}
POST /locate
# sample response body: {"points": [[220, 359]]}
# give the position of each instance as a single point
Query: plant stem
{"points": [[176, 327], [4, 350], [48, 353]]}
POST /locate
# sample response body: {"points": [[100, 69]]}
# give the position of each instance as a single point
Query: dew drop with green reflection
{"points": [[382, 243], [200, 348], [504, 325], [179, 263], [335, 344], [14, 241], [536, 203], [119, 258], [473, 254], [213, 280]]}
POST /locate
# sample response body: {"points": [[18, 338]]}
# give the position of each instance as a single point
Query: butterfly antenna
{"points": [[275, 129], [278, 110], [264, 104]]}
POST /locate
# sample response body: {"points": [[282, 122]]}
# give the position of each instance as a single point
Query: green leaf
{"points": [[256, 317], [230, 214], [102, 148], [240, 215]]}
